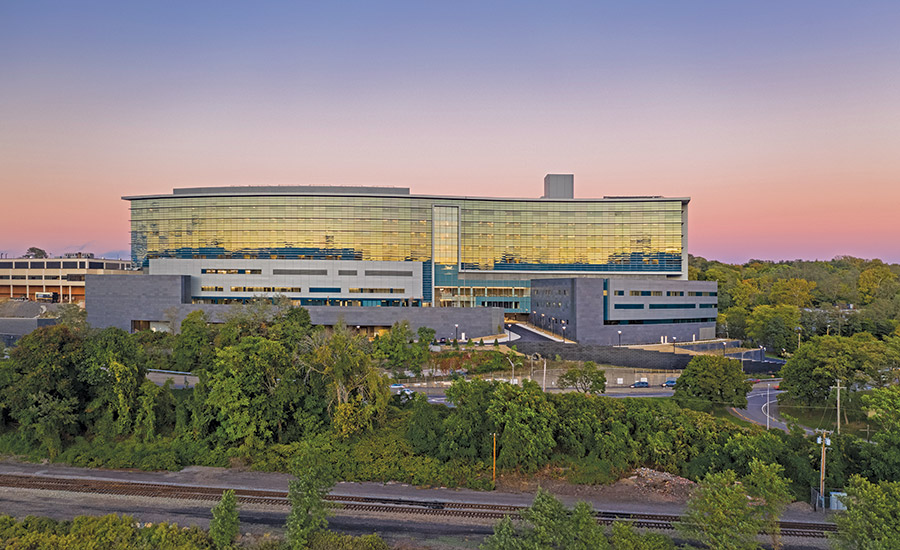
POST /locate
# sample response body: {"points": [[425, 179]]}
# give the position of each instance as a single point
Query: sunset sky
{"points": [[781, 120]]}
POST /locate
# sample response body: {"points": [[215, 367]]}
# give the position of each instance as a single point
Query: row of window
{"points": [[69, 277], [297, 289], [664, 306], [660, 293], [61, 265], [658, 321], [229, 271], [310, 272]]}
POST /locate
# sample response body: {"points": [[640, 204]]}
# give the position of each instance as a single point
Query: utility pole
{"points": [[823, 440], [768, 409], [494, 468]]}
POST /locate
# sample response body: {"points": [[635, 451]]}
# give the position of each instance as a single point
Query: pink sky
{"points": [[787, 143]]}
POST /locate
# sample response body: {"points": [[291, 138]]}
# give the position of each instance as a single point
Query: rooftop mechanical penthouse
{"points": [[424, 250]]}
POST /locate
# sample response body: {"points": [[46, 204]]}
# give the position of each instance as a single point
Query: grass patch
{"points": [[825, 418], [724, 414]]}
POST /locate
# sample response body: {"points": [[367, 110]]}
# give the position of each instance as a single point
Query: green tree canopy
{"points": [[194, 349], [870, 521], [524, 419], [586, 378], [860, 359], [711, 380], [774, 326], [35, 252], [719, 514]]}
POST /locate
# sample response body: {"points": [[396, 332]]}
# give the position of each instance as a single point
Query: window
{"points": [[619, 292], [347, 272], [673, 306], [230, 271], [376, 290], [211, 288], [52, 265], [70, 265], [299, 272], [675, 293], [707, 306], [629, 306], [387, 273], [656, 293], [6, 265], [326, 290], [37, 265]]}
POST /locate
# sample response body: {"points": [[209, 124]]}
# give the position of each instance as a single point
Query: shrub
{"points": [[225, 526]]}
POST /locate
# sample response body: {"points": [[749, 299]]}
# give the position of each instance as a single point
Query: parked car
{"points": [[443, 341], [640, 385], [670, 383], [397, 388], [753, 380]]}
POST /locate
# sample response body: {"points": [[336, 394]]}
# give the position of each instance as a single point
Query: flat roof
{"points": [[358, 190]]}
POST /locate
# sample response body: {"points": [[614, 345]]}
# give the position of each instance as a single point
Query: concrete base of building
{"points": [[162, 301]]}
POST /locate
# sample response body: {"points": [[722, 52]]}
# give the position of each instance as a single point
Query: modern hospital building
{"points": [[372, 254]]}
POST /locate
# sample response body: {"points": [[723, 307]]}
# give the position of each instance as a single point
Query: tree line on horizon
{"points": [[766, 302]]}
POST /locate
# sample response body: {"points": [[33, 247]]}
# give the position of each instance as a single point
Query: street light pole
{"points": [[564, 334], [456, 328], [768, 386], [620, 339]]}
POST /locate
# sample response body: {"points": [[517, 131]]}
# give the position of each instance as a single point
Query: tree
{"points": [[468, 429], [792, 292], [194, 350], [314, 476], [586, 378], [343, 358], [225, 525], [43, 388], [710, 380], [114, 367], [774, 326], [242, 390], [857, 360], [766, 483], [425, 427], [719, 514], [883, 405], [549, 526], [35, 252], [870, 521], [396, 349], [875, 280], [524, 419]]}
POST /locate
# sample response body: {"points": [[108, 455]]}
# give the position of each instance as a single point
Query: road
{"points": [[762, 405], [525, 335]]}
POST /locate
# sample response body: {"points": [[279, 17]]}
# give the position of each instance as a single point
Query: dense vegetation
{"points": [[765, 302], [270, 384]]}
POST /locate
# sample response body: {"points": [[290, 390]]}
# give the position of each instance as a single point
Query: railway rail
{"points": [[472, 510]]}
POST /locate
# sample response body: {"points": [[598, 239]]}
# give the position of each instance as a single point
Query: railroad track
{"points": [[663, 522]]}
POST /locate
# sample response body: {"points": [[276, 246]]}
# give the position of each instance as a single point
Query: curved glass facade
{"points": [[488, 236]]}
